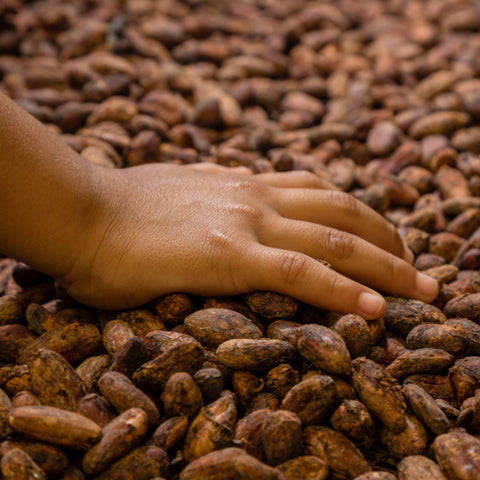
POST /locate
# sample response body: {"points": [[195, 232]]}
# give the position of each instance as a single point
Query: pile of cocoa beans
{"points": [[379, 97]]}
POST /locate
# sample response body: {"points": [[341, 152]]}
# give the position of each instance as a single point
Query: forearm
{"points": [[46, 193]]}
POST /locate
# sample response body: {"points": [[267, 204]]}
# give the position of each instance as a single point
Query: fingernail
{"points": [[372, 305], [427, 285]]}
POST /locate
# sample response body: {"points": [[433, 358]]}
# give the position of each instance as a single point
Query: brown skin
{"points": [[119, 238]]}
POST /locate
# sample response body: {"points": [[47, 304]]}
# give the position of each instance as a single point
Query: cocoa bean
{"points": [[419, 467], [54, 425], [281, 437], [312, 399], [212, 428], [118, 437], [54, 380], [457, 454], [353, 420], [181, 396], [425, 409], [16, 464], [169, 432], [323, 347], [380, 393], [213, 326], [342, 457], [306, 467], [252, 354], [231, 463], [120, 392], [401, 314], [421, 360]]}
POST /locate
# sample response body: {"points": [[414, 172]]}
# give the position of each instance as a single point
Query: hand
{"points": [[159, 229]]}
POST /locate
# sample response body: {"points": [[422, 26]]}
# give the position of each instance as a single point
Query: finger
{"points": [[216, 168], [343, 212], [294, 179], [302, 277], [351, 256]]}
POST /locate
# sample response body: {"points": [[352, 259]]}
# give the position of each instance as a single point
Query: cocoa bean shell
{"points": [[353, 420], [210, 381], [91, 369], [181, 396], [141, 321], [97, 409], [418, 467], [5, 407], [378, 475], [248, 432], [356, 334], [272, 306], [173, 308], [464, 306]]}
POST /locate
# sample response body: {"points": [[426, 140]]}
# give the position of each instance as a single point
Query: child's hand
{"points": [[160, 229]]}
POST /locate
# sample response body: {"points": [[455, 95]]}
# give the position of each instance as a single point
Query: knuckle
{"points": [[308, 179], [341, 243], [292, 267], [247, 211], [349, 205]]}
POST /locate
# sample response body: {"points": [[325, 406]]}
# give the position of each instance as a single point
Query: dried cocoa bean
{"points": [[17, 464], [186, 356], [54, 425], [213, 326], [422, 360], [450, 338], [96, 408], [418, 467], [169, 432], [425, 409], [210, 381], [306, 467], [54, 380], [272, 306], [457, 454], [75, 342], [120, 436], [341, 455], [380, 393], [122, 394], [181, 396], [323, 347], [281, 437], [212, 428], [253, 354], [231, 463], [401, 314], [312, 399], [143, 463]]}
